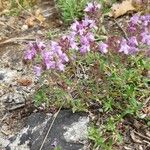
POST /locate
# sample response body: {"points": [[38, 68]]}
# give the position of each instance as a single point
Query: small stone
{"points": [[24, 27], [39, 32], [19, 99], [2, 76], [8, 74]]}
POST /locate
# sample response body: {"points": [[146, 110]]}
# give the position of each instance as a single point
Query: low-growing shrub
{"points": [[80, 69], [71, 9]]}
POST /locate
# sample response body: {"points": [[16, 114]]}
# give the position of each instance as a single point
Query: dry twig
{"points": [[55, 116], [17, 39], [142, 136], [124, 32]]}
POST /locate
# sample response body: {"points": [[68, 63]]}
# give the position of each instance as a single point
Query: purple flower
{"points": [[56, 48], [84, 40], [73, 45], [47, 55], [129, 47], [145, 20], [135, 19], [132, 28], [133, 50], [50, 64], [37, 70], [64, 58], [103, 48], [78, 28], [133, 41], [84, 49], [75, 26], [89, 23], [30, 51], [124, 47], [60, 66], [55, 57], [72, 41], [54, 143], [29, 54], [48, 59], [90, 36], [145, 38], [85, 44], [41, 45], [92, 7], [33, 48]]}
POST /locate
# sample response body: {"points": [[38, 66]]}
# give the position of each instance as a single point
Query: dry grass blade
{"points": [[17, 39], [125, 34], [132, 134], [50, 127], [142, 136], [6, 24]]}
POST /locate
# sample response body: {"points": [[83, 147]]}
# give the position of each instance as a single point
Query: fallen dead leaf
{"points": [[122, 8], [141, 5], [30, 21], [24, 82]]}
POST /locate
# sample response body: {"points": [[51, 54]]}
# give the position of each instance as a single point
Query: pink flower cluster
{"points": [[139, 34], [92, 7], [54, 55], [82, 32], [129, 46], [82, 39], [48, 56]]}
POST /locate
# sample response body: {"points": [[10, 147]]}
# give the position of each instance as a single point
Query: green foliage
{"points": [[96, 136], [106, 135], [115, 81], [23, 3], [71, 9], [58, 148], [40, 97], [16, 7]]}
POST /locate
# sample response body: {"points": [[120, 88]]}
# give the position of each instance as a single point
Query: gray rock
{"points": [[73, 133], [13, 98], [2, 76], [8, 75], [69, 131]]}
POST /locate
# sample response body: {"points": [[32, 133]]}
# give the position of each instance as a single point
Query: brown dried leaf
{"points": [[24, 82], [30, 21], [122, 8]]}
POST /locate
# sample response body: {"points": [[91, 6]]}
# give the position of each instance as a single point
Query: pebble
{"points": [[24, 27], [39, 32]]}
